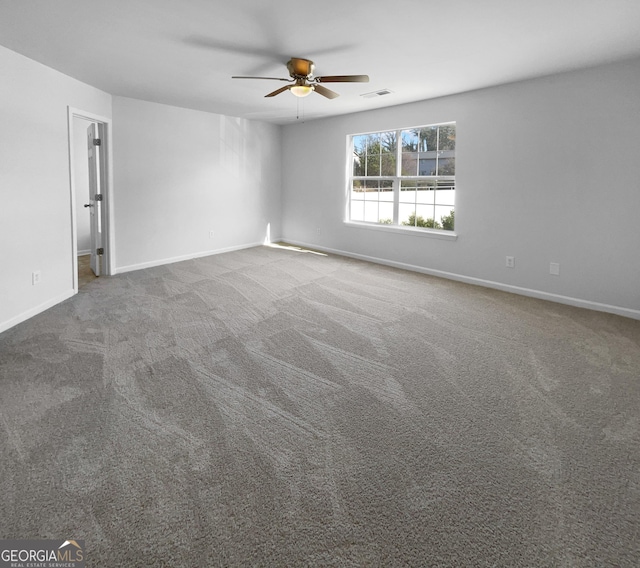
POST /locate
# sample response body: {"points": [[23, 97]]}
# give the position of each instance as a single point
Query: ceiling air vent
{"points": [[379, 93]]}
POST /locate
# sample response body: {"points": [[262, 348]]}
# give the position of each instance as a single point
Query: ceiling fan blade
{"points": [[325, 92], [343, 79], [278, 91], [269, 78]]}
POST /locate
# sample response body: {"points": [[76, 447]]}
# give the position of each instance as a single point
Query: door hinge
{"points": [[98, 197], [100, 250], [97, 142]]}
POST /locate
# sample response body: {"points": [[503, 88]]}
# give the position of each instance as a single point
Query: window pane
{"points": [[388, 142], [425, 193], [388, 165], [425, 217], [428, 139], [373, 143], [444, 197], [447, 221], [427, 167], [371, 189], [357, 200], [359, 144], [406, 214], [358, 165], [447, 137], [409, 164], [357, 210], [371, 211], [410, 140], [359, 155], [373, 165], [386, 193], [386, 213], [408, 192], [447, 167], [444, 212]]}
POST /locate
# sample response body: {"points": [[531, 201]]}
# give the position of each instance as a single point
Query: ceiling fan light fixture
{"points": [[301, 90]]}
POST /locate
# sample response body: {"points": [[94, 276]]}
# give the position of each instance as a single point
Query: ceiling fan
{"points": [[304, 83]]}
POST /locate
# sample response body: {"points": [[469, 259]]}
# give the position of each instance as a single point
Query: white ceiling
{"points": [[184, 52]]}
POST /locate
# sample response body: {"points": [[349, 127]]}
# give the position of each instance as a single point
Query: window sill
{"points": [[431, 233]]}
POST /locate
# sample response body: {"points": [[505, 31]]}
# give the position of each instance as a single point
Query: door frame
{"points": [[106, 171]]}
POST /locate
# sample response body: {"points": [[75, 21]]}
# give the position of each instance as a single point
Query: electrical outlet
{"points": [[211, 233], [511, 262], [318, 231], [554, 268], [36, 277]]}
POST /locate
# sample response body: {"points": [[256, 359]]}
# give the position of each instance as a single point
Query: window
{"points": [[404, 177]]}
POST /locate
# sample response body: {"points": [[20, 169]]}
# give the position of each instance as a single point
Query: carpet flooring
{"points": [[272, 407]]}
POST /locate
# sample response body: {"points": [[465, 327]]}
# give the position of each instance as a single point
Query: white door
{"points": [[95, 198]]}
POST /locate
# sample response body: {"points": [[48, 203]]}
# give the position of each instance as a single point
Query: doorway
{"points": [[91, 197]]}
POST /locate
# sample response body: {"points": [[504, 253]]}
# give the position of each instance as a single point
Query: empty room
{"points": [[320, 284]]}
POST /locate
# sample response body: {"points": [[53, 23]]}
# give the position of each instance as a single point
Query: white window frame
{"points": [[396, 184]]}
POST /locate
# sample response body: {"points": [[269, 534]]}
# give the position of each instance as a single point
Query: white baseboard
{"points": [[84, 252], [162, 261], [4, 326], [577, 302]]}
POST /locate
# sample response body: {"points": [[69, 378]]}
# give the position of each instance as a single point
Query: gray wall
{"points": [[35, 202], [179, 174], [547, 171]]}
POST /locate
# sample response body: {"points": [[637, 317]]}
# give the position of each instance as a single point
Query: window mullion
{"points": [[437, 157], [398, 153], [435, 193], [396, 181], [396, 201]]}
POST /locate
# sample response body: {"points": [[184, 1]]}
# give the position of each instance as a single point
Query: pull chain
{"points": [[300, 102]]}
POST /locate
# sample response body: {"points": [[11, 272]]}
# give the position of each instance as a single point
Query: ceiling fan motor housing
{"points": [[300, 67]]}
